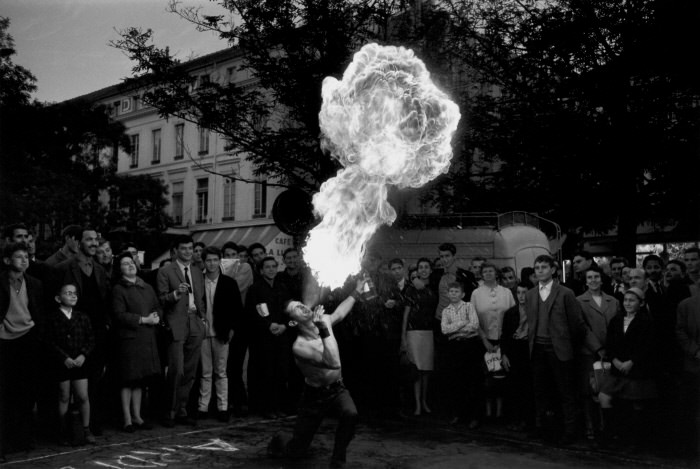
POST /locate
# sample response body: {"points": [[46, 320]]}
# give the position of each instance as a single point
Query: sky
{"points": [[64, 43]]}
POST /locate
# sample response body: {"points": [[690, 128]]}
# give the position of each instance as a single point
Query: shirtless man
{"points": [[317, 356]]}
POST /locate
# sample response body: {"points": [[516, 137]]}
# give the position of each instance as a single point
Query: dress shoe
{"points": [[168, 422], [567, 439], [223, 416], [129, 428]]}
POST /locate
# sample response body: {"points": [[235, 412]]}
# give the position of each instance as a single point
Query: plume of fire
{"points": [[387, 124]]}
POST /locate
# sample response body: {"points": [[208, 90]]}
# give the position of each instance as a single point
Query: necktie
{"points": [[187, 278]]}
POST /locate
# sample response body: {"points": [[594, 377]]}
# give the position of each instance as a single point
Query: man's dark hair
{"points": [[424, 259], [507, 269], [12, 248], [479, 258], [448, 247], [288, 250], [181, 239], [525, 284], [72, 231], [10, 230], [594, 268], [396, 260], [694, 249], [255, 246], [652, 258], [242, 248], [211, 251], [101, 241], [619, 260], [545, 258], [199, 243], [585, 254], [229, 245], [268, 258], [680, 264]]}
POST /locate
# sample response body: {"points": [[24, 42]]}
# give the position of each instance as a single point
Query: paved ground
{"points": [[411, 443]]}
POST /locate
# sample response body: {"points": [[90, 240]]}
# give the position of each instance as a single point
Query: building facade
{"points": [[208, 191]]}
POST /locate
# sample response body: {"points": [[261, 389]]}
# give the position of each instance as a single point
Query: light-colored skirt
{"points": [[421, 349]]}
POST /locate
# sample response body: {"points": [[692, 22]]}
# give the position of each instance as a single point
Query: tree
{"points": [[289, 47], [58, 162], [595, 116]]}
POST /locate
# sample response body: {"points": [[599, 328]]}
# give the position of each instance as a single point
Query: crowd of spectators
{"points": [[611, 355]]}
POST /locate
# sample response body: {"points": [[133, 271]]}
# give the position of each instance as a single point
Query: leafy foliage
{"points": [[58, 162], [595, 119]]}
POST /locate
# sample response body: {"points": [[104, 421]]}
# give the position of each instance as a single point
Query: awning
{"points": [[266, 235]]}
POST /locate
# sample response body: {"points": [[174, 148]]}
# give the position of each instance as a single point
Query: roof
{"points": [[134, 83]]}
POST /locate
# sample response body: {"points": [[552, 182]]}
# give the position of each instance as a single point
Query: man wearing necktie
{"points": [[181, 292]]}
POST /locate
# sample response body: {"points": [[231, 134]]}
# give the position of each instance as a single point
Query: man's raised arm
{"points": [[346, 306]]}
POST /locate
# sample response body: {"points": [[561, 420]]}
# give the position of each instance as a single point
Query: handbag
{"points": [[599, 374], [407, 369]]}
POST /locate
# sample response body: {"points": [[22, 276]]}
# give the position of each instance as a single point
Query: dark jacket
{"points": [[131, 302], [567, 328], [637, 344], [227, 312], [511, 321], [69, 272], [68, 338]]}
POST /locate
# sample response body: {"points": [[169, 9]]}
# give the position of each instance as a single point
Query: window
{"points": [[156, 147], [229, 199], [134, 151], [177, 195], [126, 105], [229, 74], [179, 142], [260, 200], [202, 200], [203, 141]]}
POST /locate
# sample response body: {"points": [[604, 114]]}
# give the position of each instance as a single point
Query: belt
{"points": [[329, 387]]}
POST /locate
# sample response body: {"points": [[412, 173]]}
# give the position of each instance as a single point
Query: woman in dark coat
{"points": [[136, 313], [630, 348]]}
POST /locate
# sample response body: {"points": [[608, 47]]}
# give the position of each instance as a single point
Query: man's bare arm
{"points": [[346, 306], [329, 358]]}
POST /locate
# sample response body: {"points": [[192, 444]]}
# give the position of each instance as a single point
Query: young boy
{"points": [[461, 326], [71, 341]]}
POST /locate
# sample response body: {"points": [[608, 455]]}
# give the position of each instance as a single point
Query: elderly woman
{"points": [[491, 301], [598, 309], [136, 313], [417, 338]]}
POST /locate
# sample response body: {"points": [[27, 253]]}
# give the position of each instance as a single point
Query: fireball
{"points": [[388, 124]]}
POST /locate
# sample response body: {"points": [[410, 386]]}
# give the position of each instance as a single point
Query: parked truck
{"points": [[507, 239]]}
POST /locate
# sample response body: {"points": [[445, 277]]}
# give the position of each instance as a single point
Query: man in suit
{"points": [[20, 318], [93, 288], [223, 309], [556, 327], [688, 337], [181, 292]]}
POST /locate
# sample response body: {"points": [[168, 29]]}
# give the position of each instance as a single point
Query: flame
{"points": [[387, 123]]}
